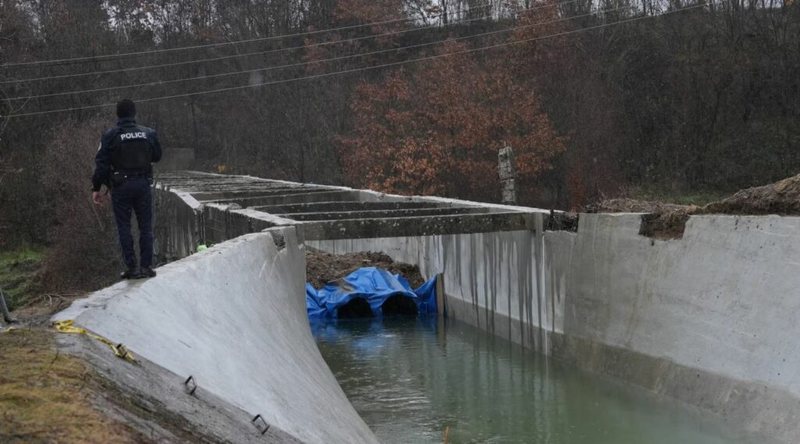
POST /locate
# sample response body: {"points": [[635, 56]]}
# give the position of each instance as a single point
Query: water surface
{"points": [[417, 380]]}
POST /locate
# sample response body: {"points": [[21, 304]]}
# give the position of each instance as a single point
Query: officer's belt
{"points": [[134, 174]]}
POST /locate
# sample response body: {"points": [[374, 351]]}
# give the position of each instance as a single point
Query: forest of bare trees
{"points": [[598, 98]]}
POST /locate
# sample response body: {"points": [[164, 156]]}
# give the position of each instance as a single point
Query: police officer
{"points": [[124, 164]]}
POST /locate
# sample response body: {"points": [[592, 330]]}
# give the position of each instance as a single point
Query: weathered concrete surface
{"points": [[154, 401], [716, 311], [234, 318], [708, 319]]}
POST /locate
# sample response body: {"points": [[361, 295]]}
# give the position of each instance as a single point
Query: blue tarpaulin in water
{"points": [[373, 285]]}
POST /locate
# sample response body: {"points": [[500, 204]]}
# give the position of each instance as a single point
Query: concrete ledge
{"points": [[255, 199], [343, 205], [381, 214], [207, 194], [415, 226]]}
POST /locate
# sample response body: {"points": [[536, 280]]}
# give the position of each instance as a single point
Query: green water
{"points": [[414, 380]]}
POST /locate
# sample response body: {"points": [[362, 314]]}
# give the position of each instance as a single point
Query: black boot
{"points": [[147, 272], [130, 273]]}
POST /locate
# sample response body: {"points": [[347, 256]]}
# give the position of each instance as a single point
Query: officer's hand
{"points": [[97, 198]]}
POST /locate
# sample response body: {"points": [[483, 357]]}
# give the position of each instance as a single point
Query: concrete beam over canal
{"points": [[379, 214], [344, 205]]}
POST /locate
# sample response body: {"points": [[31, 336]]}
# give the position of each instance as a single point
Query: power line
{"points": [[300, 64], [367, 68], [270, 51], [208, 45]]}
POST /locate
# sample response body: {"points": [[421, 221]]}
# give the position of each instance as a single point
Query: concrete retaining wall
{"points": [[709, 319], [234, 318]]}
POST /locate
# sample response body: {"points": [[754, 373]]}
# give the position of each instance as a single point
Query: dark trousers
{"points": [[134, 195]]}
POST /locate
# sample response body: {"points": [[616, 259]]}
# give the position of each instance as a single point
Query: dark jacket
{"points": [[128, 148]]}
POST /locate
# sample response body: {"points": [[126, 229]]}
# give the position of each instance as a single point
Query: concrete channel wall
{"points": [[709, 319], [233, 317]]}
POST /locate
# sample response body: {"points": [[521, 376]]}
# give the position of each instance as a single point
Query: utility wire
{"points": [[210, 45], [367, 68], [270, 51], [300, 64]]}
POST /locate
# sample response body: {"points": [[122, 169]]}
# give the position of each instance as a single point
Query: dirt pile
{"points": [[667, 221], [324, 267], [624, 205], [782, 197]]}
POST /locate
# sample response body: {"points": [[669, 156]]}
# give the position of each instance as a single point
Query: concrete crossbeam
{"points": [[341, 205], [381, 214], [238, 193], [252, 198], [415, 226]]}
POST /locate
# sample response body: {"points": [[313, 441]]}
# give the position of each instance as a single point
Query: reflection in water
{"points": [[412, 379]]}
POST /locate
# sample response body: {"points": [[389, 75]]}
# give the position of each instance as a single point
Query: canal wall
{"points": [[707, 319], [233, 318]]}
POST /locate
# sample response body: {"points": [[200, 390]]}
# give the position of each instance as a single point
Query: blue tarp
{"points": [[372, 284]]}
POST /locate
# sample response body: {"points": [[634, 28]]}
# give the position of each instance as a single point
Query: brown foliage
{"points": [[84, 253], [437, 129]]}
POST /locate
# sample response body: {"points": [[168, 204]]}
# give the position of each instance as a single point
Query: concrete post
{"points": [[508, 174]]}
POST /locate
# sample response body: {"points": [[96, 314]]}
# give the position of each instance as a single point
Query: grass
{"points": [[46, 396], [19, 274]]}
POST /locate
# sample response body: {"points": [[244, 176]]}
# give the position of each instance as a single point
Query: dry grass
{"points": [[46, 396]]}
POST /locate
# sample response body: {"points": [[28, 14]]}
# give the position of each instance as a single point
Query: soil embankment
{"points": [[322, 267], [667, 221], [47, 396]]}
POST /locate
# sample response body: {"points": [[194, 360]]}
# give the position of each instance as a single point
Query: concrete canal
{"points": [[647, 339]]}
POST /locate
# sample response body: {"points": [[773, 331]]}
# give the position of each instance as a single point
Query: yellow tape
{"points": [[118, 349]]}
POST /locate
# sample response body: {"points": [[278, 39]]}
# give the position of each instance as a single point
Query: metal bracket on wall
{"points": [[260, 423], [190, 385]]}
